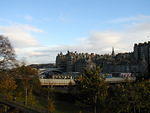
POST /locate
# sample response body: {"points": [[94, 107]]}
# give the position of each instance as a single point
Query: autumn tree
{"points": [[7, 62], [51, 105], [7, 86], [28, 77]]}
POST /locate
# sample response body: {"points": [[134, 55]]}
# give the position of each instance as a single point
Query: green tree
{"points": [[130, 98], [92, 88]]}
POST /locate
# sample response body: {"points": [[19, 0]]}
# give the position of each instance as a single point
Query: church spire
{"points": [[113, 52]]}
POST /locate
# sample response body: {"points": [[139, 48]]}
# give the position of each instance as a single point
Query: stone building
{"points": [[137, 61], [74, 62], [142, 56]]}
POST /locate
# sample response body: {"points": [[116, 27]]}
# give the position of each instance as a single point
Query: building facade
{"points": [[137, 61]]}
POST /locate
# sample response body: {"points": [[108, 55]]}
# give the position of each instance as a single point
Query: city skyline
{"points": [[39, 29]]}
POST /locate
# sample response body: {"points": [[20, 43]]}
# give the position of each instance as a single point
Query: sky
{"points": [[40, 29]]}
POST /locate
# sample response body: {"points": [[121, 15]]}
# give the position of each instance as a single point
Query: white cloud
{"points": [[22, 39], [20, 35], [104, 38], [122, 40], [28, 28], [101, 42]]}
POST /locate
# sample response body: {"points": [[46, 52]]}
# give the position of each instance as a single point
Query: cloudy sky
{"points": [[40, 29]]}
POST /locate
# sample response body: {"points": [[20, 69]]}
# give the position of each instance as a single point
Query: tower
{"points": [[113, 52]]}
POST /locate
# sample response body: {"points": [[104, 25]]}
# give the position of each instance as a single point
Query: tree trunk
{"points": [[95, 101], [94, 108], [134, 109], [48, 93]]}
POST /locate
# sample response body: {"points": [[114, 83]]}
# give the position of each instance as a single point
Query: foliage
{"points": [[92, 88], [29, 83], [26, 80], [26, 71], [26, 77], [130, 97], [7, 86], [31, 98], [116, 98], [51, 105], [16, 82]]}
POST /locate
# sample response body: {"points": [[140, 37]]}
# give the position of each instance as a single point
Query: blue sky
{"points": [[39, 29]]}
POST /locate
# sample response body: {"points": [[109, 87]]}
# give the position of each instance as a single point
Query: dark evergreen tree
{"points": [[92, 89]]}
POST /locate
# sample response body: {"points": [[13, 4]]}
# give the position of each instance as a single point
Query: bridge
{"points": [[120, 79], [20, 106], [66, 82], [57, 82]]}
